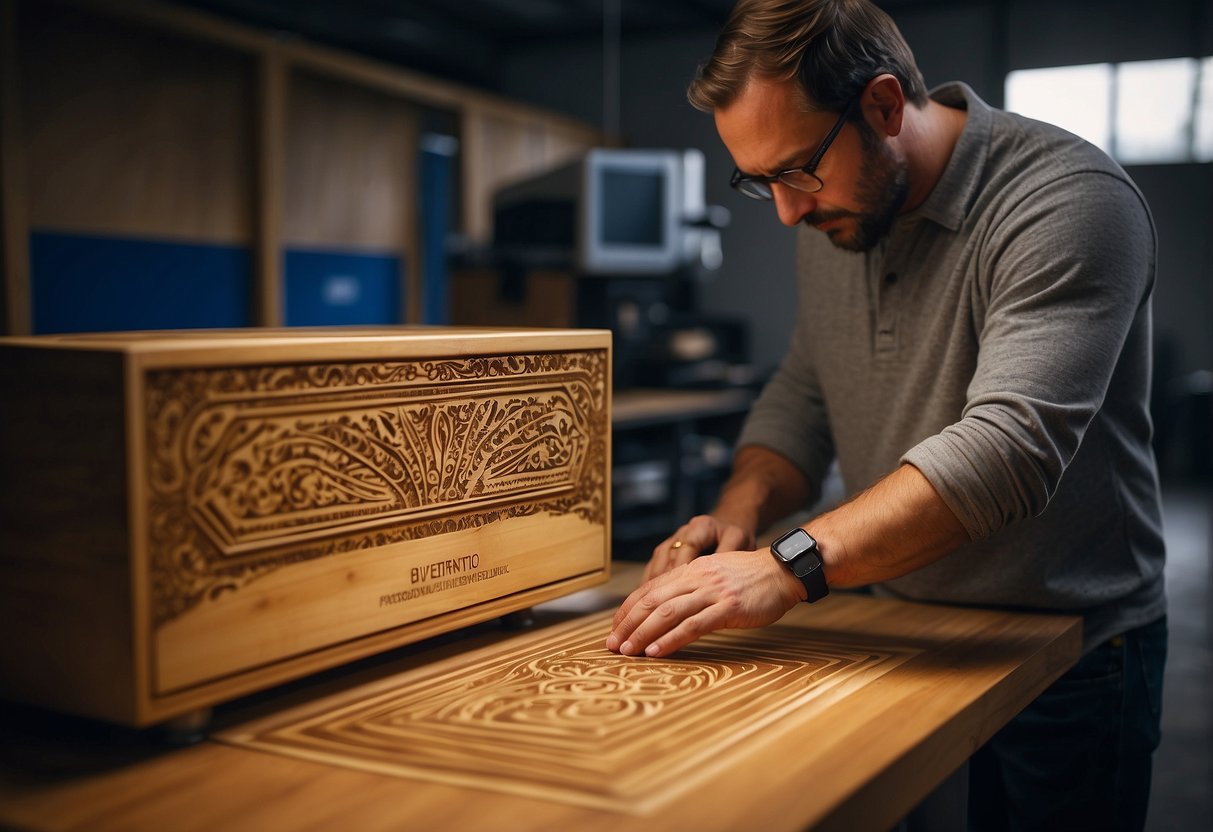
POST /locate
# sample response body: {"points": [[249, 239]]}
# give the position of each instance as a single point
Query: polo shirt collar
{"points": [[957, 188]]}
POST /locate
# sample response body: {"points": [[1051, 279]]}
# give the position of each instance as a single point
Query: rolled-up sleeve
{"points": [[1069, 273]]}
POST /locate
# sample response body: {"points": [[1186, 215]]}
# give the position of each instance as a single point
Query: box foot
{"points": [[188, 729], [523, 619]]}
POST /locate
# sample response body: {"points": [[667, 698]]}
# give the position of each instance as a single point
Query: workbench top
{"points": [[844, 715]]}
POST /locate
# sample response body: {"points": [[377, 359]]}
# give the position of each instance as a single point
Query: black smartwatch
{"points": [[797, 550]]}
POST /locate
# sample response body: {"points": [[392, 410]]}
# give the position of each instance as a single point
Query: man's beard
{"points": [[881, 190]]}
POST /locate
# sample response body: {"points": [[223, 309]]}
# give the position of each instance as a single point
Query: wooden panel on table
{"points": [[556, 717]]}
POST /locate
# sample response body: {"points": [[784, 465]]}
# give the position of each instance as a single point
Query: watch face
{"points": [[793, 544]]}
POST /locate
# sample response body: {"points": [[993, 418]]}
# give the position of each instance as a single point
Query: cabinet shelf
{"points": [[673, 451]]}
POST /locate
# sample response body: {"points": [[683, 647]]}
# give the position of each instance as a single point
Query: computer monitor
{"points": [[611, 211], [633, 212]]}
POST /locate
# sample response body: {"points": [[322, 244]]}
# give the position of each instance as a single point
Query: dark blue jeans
{"points": [[1079, 756]]}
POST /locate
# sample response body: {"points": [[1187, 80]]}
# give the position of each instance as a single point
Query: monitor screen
{"points": [[633, 207]]}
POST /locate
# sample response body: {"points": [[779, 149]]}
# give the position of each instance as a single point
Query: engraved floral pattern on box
{"points": [[253, 468]]}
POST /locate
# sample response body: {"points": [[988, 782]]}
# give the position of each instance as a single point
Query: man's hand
{"points": [[727, 590], [703, 535]]}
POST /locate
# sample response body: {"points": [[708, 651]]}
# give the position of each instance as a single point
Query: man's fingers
{"points": [[730, 589], [689, 629], [652, 618], [641, 603], [700, 536], [671, 553], [683, 550], [661, 561], [644, 591], [735, 539]]}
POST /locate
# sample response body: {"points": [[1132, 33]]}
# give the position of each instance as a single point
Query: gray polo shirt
{"points": [[999, 341]]}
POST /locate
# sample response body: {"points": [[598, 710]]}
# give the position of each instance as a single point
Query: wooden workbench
{"points": [[843, 716]]}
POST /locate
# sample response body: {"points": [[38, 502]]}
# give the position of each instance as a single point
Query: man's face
{"points": [[864, 181]]}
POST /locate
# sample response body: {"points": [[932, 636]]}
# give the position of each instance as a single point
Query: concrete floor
{"points": [[1182, 796]]}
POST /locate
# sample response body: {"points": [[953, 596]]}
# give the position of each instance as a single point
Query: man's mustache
{"points": [[818, 217]]}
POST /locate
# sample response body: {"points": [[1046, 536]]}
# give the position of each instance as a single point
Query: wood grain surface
{"points": [[557, 716], [857, 761]]}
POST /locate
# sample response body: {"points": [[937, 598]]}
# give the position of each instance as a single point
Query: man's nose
{"points": [[792, 205]]}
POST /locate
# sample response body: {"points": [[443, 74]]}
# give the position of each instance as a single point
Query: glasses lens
{"points": [[801, 180], [754, 190]]}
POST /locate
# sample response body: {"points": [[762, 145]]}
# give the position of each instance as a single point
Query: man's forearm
{"points": [[763, 487], [898, 525]]}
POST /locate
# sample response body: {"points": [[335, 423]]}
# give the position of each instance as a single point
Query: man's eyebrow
{"points": [[785, 164], [790, 162]]}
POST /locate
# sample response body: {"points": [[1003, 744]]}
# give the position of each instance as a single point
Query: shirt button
{"points": [[890, 278]]}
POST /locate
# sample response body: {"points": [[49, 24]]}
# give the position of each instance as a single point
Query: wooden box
{"points": [[186, 517]]}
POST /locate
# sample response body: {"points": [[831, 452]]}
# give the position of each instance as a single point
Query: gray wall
{"points": [[973, 41]]}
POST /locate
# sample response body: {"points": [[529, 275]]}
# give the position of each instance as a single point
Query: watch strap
{"points": [[808, 568]]}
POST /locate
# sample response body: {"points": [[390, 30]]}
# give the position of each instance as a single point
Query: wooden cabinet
{"points": [[161, 168], [188, 517]]}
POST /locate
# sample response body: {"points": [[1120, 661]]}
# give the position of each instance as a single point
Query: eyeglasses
{"points": [[802, 179]]}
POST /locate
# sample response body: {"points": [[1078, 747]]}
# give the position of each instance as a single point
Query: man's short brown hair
{"points": [[832, 47]]}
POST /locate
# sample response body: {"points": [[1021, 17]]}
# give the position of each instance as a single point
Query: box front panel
{"points": [[296, 507]]}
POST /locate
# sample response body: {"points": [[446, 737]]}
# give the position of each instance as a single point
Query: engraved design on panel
{"points": [[253, 468], [565, 720]]}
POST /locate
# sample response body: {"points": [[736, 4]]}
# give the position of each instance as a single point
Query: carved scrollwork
{"points": [[557, 715], [253, 468]]}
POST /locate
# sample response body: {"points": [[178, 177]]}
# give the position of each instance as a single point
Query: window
{"points": [[1203, 140], [1139, 112], [1073, 97]]}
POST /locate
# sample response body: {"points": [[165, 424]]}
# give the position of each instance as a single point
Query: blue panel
{"points": [[88, 284], [328, 288], [435, 207]]}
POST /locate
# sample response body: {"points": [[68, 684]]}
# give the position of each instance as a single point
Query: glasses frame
{"points": [[739, 179]]}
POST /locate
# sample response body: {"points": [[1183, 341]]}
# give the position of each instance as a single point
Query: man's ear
{"points": [[883, 103]]}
